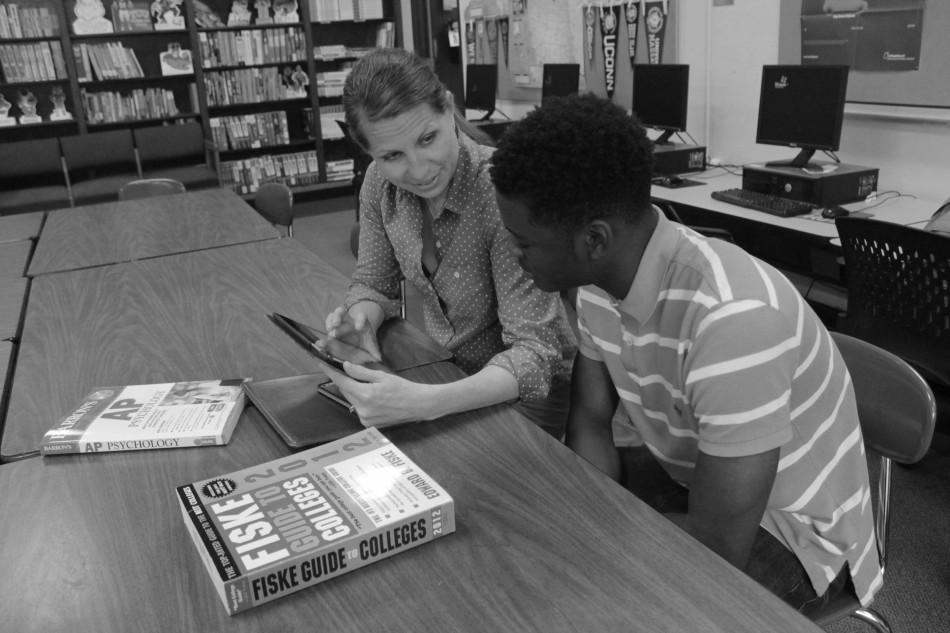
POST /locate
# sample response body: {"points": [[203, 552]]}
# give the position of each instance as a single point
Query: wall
{"points": [[727, 42], [909, 145]]}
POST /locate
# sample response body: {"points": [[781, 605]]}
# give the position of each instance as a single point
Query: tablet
{"points": [[331, 351]]}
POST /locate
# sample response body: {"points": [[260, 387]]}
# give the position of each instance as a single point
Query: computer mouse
{"points": [[673, 181], [834, 212]]}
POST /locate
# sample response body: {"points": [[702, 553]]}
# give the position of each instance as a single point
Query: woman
{"points": [[428, 214]]}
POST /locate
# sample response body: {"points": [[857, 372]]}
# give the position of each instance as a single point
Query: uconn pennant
{"points": [[609, 19]]}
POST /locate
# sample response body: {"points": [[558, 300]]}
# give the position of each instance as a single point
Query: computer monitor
{"points": [[480, 84], [559, 80], [660, 96], [802, 106]]}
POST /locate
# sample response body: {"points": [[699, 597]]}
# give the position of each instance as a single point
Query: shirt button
{"points": [[438, 243]]}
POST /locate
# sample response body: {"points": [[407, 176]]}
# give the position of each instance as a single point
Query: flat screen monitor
{"points": [[481, 81], [559, 80], [660, 97], [802, 106]]}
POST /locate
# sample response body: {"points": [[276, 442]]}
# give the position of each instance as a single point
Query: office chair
{"points": [[709, 231], [898, 413], [275, 201], [150, 187], [898, 282]]}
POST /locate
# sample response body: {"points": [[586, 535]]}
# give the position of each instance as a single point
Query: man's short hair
{"points": [[576, 159]]}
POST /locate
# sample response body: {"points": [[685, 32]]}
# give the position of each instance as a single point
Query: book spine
{"points": [[79, 445], [330, 561]]}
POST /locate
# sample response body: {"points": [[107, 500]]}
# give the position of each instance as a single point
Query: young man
{"points": [[732, 382]]}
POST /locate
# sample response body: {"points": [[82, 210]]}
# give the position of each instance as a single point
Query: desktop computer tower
{"points": [[676, 158], [843, 184]]}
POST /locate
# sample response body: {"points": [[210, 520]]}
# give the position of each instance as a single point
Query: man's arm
{"points": [[727, 500], [593, 402]]}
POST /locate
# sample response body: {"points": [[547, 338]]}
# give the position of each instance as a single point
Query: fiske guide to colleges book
{"points": [[160, 415], [273, 529]]}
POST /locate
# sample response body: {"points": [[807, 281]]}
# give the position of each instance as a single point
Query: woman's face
{"points": [[417, 150]]}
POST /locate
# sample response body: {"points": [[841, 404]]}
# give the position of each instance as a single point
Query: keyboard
{"points": [[774, 205]]}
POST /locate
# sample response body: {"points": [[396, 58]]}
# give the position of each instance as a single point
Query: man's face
{"points": [[547, 254]]}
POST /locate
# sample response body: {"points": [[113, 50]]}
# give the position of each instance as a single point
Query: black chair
{"points": [[709, 231], [98, 164], [275, 201], [179, 152], [898, 282], [32, 176], [897, 413], [149, 188]]}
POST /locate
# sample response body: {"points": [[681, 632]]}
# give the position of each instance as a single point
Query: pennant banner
{"points": [[503, 31], [590, 20], [470, 42], [633, 16], [609, 21], [491, 41], [654, 19]]}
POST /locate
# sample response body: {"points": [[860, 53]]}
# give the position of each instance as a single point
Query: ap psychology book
{"points": [[139, 417], [273, 529]]}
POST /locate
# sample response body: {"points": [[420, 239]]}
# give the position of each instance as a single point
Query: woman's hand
{"points": [[355, 328], [381, 398]]}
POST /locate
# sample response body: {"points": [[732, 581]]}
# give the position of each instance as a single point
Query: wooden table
{"points": [[544, 542], [12, 303], [6, 355], [115, 232], [14, 258], [22, 226], [195, 315]]}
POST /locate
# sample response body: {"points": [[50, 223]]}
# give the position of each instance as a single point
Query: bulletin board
{"points": [[926, 86]]}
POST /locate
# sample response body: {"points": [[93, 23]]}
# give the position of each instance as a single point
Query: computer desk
{"points": [[804, 245], [114, 232], [95, 542]]}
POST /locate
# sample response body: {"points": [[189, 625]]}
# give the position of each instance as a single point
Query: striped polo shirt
{"points": [[713, 350]]}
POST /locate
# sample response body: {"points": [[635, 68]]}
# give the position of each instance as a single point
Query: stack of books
{"points": [[18, 21]]}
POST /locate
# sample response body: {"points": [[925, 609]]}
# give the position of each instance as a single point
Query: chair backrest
{"points": [[158, 145], [669, 211], [150, 187], [898, 281], [275, 201], [897, 412], [31, 159], [99, 154]]}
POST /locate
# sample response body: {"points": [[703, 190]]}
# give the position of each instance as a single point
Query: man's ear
{"points": [[598, 238]]}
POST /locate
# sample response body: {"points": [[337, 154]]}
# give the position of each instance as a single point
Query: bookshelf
{"points": [[263, 77]]}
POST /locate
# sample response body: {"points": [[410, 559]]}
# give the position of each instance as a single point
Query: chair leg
{"points": [[872, 617]]}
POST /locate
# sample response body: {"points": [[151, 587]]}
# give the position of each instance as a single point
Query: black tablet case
{"points": [[302, 417]]}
